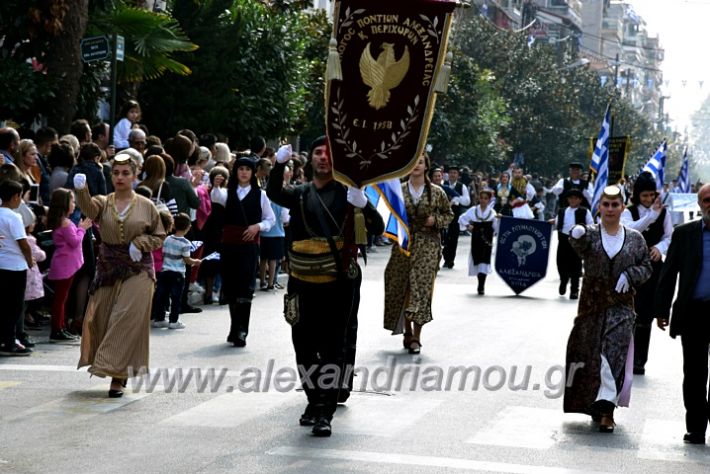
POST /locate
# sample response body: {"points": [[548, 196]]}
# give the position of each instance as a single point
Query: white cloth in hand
{"points": [[135, 253], [578, 231], [622, 286], [357, 197], [284, 153], [456, 201], [79, 181]]}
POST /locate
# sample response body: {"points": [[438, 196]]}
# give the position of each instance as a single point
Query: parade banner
{"points": [[384, 69], [522, 252], [619, 148]]}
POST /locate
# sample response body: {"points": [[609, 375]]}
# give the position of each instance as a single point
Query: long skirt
{"points": [[409, 283], [117, 328]]}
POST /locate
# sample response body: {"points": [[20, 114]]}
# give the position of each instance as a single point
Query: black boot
{"points": [[321, 428], [482, 283], [239, 313], [574, 289], [233, 327]]}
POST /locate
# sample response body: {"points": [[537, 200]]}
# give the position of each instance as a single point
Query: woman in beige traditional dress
{"points": [[117, 322], [409, 279]]}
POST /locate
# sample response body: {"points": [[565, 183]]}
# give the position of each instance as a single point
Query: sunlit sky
{"points": [[683, 29]]}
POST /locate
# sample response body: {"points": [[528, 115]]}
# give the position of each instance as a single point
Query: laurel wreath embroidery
{"points": [[348, 20], [351, 147], [432, 26]]}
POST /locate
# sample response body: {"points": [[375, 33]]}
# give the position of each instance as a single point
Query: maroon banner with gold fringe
{"points": [[384, 69]]}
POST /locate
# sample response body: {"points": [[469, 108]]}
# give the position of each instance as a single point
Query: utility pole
{"points": [[616, 71]]}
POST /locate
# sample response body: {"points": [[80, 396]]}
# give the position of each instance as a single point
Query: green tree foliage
{"points": [[552, 110], [249, 76], [468, 119]]}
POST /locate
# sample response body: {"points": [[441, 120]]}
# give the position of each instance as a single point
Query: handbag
{"points": [[159, 203]]}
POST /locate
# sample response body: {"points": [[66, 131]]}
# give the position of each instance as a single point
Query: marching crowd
{"points": [[116, 235]]}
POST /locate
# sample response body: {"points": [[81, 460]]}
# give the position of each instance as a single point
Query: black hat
{"points": [[575, 192], [644, 182], [576, 164], [453, 167], [245, 161]]}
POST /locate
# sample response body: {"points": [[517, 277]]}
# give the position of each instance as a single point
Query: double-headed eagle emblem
{"points": [[383, 74]]}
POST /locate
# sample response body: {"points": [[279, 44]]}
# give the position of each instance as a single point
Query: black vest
{"points": [[246, 212], [568, 185], [654, 233], [579, 216]]}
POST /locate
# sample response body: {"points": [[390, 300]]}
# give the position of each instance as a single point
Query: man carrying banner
{"points": [[689, 256], [615, 261], [647, 215], [458, 205], [324, 278]]}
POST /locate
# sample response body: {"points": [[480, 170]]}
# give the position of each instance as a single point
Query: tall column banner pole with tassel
{"points": [[386, 62]]}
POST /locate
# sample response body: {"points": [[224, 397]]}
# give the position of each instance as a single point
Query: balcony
{"points": [[569, 9]]}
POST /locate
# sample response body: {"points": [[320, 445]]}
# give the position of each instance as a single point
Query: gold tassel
{"points": [[442, 80], [333, 69], [360, 229]]}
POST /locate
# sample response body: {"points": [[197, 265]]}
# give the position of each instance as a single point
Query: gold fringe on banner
{"points": [[360, 229], [333, 69], [442, 80]]}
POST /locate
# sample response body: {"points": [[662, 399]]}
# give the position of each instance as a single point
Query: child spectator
{"points": [[34, 290], [67, 258], [176, 253], [15, 260]]}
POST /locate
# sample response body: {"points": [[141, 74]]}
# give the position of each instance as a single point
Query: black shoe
{"points": [[322, 427], [639, 371], [189, 309], [343, 395], [60, 336], [449, 265], [574, 295], [563, 288], [694, 438], [27, 341], [239, 341], [481, 291], [115, 393], [14, 351], [307, 419]]}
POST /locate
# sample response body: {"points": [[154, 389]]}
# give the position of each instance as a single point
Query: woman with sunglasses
{"points": [[616, 263]]}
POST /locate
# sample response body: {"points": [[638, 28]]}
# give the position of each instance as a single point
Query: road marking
{"points": [[85, 404], [41, 368], [415, 460], [662, 440], [364, 414], [232, 409], [524, 427], [8, 384]]}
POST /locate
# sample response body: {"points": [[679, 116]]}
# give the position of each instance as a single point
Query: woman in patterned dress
{"points": [[600, 347], [409, 279], [117, 323]]}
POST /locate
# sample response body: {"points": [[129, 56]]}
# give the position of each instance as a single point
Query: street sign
{"points": [[94, 48], [120, 48]]}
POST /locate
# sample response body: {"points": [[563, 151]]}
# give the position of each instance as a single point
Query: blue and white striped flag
{"points": [[684, 175], [601, 180], [601, 148], [657, 165], [388, 200]]}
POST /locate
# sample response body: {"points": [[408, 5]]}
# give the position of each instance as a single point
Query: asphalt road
{"points": [[54, 418]]}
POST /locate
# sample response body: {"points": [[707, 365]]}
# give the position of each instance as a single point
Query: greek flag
{"points": [[601, 148], [684, 176], [388, 200], [657, 164], [601, 180]]}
